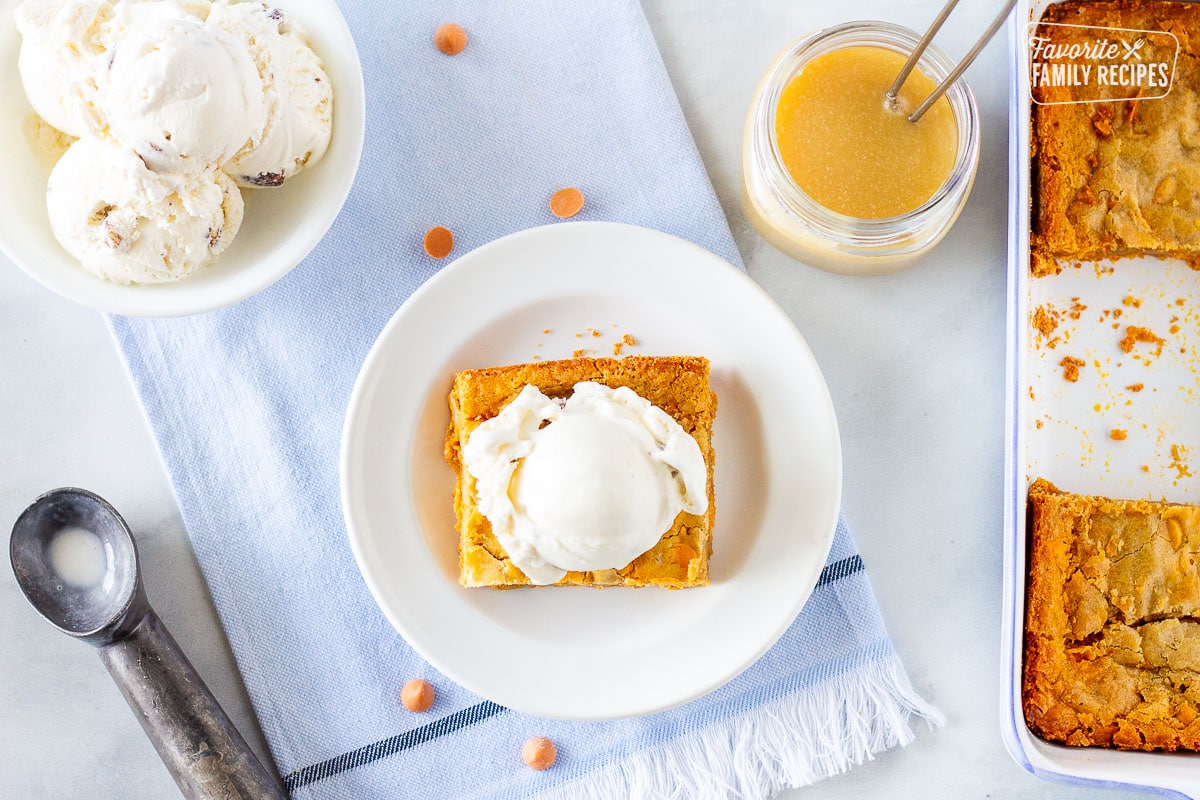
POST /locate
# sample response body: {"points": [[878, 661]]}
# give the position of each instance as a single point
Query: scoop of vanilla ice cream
{"points": [[129, 14], [588, 484], [128, 224], [615, 497], [180, 94], [61, 50], [297, 94]]}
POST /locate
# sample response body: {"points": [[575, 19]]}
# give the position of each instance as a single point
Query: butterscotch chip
{"points": [[451, 39], [539, 753], [417, 695], [1118, 435], [566, 202], [682, 554], [439, 242]]}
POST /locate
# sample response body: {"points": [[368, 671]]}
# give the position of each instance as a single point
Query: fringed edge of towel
{"points": [[797, 740]]}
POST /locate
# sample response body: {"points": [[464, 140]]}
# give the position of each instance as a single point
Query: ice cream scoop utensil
{"points": [[75, 560]]}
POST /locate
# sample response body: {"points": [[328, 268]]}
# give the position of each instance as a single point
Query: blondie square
{"points": [[676, 384], [1119, 177], [1112, 628]]}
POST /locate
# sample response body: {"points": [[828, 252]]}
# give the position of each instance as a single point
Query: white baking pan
{"points": [[1063, 431]]}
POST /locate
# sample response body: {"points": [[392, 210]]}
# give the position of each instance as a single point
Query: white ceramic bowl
{"points": [[281, 226]]}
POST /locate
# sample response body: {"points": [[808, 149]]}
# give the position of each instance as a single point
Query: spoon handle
{"points": [[204, 752]]}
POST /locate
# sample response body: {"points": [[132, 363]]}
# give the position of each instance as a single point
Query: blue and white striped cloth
{"points": [[247, 402]]}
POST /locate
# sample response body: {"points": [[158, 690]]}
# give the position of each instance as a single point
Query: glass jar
{"points": [[807, 231]]}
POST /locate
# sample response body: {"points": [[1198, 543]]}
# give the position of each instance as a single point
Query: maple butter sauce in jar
{"points": [[835, 175]]}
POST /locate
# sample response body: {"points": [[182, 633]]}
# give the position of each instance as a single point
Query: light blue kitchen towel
{"points": [[247, 403]]}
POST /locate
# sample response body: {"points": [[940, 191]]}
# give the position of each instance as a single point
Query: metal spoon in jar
{"points": [[958, 70], [76, 562]]}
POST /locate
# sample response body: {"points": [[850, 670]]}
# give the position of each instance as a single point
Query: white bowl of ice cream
{"points": [[134, 220]]}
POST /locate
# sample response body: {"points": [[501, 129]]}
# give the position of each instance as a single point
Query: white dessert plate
{"points": [[581, 653], [281, 225]]}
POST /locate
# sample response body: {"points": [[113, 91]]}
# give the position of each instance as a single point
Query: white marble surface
{"points": [[915, 363]]}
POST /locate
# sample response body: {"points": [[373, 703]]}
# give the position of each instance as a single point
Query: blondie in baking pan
{"points": [[1103, 393]]}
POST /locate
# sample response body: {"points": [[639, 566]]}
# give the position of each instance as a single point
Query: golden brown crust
{"points": [[676, 384], [1112, 629], [1122, 177]]}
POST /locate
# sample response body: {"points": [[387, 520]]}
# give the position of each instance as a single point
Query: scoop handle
{"points": [[196, 740]]}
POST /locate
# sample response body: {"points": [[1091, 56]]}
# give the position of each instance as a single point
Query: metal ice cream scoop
{"points": [[77, 564]]}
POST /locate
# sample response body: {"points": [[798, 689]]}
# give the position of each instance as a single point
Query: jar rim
{"points": [[843, 228]]}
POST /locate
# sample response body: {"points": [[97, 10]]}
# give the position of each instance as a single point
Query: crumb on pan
{"points": [[1135, 335], [1178, 462], [1071, 367]]}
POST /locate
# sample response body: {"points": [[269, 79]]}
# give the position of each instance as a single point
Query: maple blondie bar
{"points": [[676, 384], [1118, 177], [1112, 641]]}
